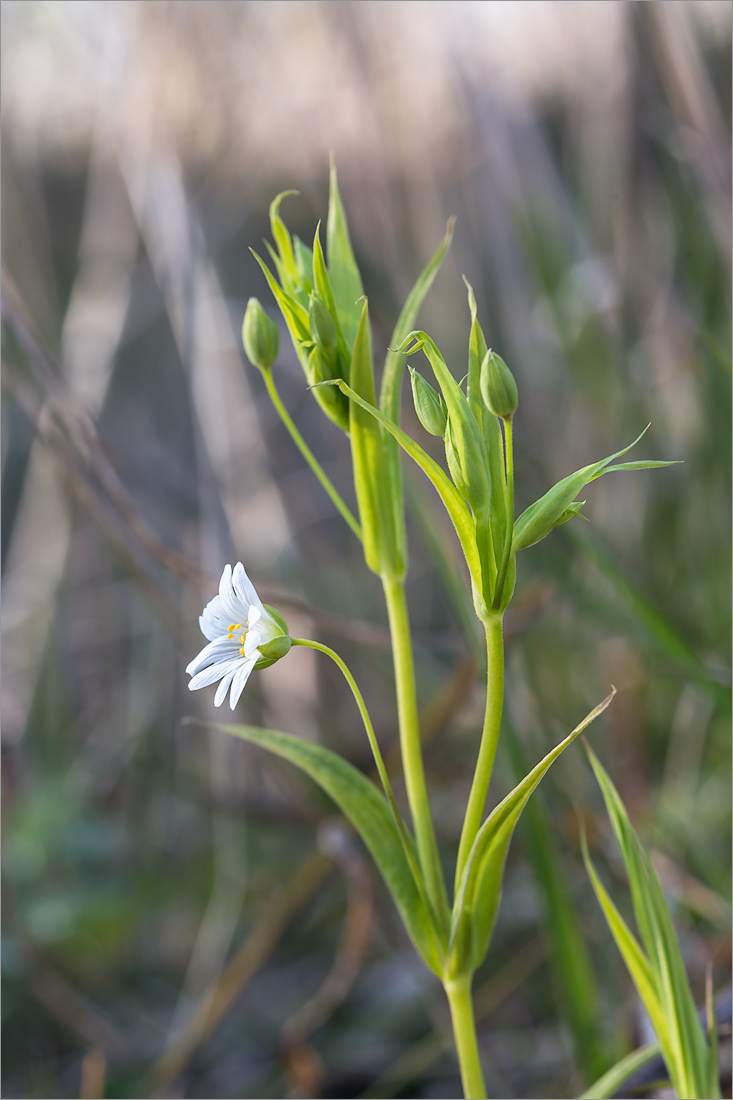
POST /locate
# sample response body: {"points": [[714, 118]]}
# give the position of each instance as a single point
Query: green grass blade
{"points": [[687, 1050], [611, 1081], [369, 813]]}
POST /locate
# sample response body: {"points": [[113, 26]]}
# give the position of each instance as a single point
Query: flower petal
{"points": [[214, 620], [231, 604], [240, 680], [223, 688], [213, 673], [244, 588], [217, 650]]}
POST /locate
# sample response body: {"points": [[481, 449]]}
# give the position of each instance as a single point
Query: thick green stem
{"points": [[464, 1031], [489, 740], [411, 748], [309, 456]]}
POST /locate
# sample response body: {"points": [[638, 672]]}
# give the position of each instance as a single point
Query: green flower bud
{"points": [[260, 336], [334, 403], [323, 326], [498, 388], [429, 405]]}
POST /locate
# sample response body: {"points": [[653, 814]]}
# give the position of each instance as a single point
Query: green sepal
{"points": [[369, 813], [342, 267], [541, 517], [479, 892], [273, 651], [277, 616]]}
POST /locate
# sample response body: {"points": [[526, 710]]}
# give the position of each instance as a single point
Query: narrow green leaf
{"points": [[642, 464], [304, 263], [611, 1081], [282, 239], [478, 896], [342, 267], [368, 811], [366, 450], [394, 364], [296, 318], [636, 961], [324, 290], [687, 1056], [539, 519], [452, 499]]}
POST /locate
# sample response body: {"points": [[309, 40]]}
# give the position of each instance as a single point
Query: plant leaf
{"points": [[479, 893], [368, 811], [612, 1080], [366, 450], [686, 1049], [295, 316], [539, 519], [452, 499], [342, 267], [389, 395]]}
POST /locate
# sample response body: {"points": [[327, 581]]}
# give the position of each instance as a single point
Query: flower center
{"points": [[232, 630]]}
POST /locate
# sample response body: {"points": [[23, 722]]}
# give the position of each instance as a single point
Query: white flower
{"points": [[237, 625]]}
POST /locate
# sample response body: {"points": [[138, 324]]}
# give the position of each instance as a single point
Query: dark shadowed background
{"points": [[184, 916]]}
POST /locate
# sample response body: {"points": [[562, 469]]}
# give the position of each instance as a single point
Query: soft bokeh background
{"points": [[182, 915]]}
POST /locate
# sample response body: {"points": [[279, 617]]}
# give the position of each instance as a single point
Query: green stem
{"points": [[309, 456], [489, 740], [411, 748], [464, 1031], [509, 498], [379, 761]]}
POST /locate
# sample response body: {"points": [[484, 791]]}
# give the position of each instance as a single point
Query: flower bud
{"points": [[323, 327], [260, 336], [429, 405], [498, 388]]}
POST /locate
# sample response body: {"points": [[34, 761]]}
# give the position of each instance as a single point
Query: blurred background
{"points": [[184, 916]]}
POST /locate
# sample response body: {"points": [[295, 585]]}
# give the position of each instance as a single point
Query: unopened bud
{"points": [[429, 405], [498, 388], [323, 327], [260, 336]]}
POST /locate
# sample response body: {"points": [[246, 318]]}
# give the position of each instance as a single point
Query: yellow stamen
{"points": [[232, 628]]}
